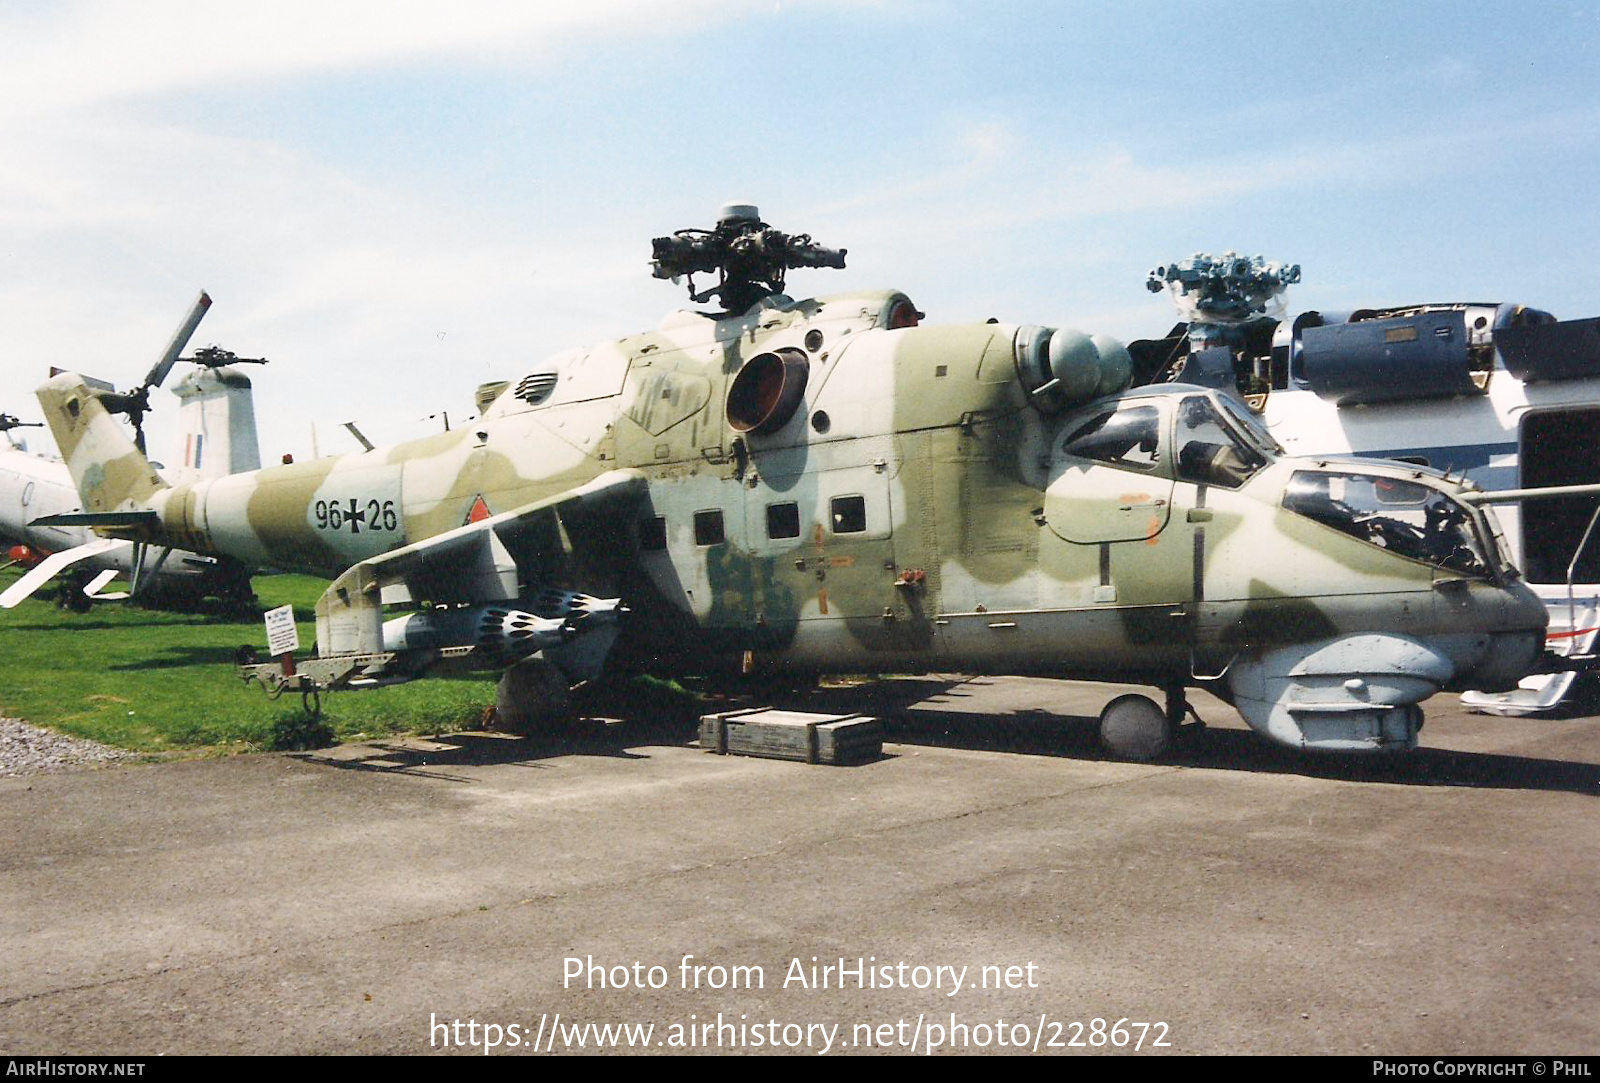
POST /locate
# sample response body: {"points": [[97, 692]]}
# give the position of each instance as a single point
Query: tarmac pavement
{"points": [[1237, 898]]}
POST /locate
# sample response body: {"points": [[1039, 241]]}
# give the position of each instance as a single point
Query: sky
{"points": [[396, 201]]}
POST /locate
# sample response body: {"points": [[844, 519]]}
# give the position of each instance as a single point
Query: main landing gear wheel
{"points": [[1135, 727]]}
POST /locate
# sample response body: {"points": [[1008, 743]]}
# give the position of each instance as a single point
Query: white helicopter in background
{"points": [[1504, 395], [216, 437]]}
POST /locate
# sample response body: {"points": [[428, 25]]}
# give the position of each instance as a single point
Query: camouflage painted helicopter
{"points": [[828, 485]]}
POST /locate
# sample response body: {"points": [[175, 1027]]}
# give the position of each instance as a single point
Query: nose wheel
{"points": [[1135, 727]]}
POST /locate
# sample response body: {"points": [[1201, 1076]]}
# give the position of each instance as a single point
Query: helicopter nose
{"points": [[1510, 649], [1510, 657]]}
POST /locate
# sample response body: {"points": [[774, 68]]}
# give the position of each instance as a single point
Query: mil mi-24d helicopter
{"points": [[828, 485], [216, 436]]}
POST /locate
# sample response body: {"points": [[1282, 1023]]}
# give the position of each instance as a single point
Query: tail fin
{"points": [[216, 425], [110, 472]]}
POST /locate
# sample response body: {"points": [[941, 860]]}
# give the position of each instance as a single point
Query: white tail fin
{"points": [[216, 425]]}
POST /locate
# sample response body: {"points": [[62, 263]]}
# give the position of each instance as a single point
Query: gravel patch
{"points": [[29, 750]]}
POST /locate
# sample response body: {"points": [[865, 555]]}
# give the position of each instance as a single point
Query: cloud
{"points": [[110, 228], [345, 263], [108, 50], [112, 217], [1027, 178]]}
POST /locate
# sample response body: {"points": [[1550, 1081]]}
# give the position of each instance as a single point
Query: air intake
{"points": [[536, 387]]}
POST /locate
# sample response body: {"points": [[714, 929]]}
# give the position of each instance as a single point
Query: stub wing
{"points": [[481, 562]]}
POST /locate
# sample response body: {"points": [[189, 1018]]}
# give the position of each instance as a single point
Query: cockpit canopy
{"points": [[1193, 438], [1406, 517]]}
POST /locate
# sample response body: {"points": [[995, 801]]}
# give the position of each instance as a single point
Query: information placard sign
{"points": [[283, 637]]}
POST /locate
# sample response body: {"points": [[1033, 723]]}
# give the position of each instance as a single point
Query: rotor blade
{"points": [[158, 374], [94, 586], [366, 445], [46, 569]]}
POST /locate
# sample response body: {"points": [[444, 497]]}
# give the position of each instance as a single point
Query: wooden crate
{"points": [[793, 735]]}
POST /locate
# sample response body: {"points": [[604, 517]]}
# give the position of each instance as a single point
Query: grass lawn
{"points": [[155, 682]]}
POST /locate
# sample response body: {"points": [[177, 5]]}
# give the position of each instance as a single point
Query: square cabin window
{"points": [[848, 514], [783, 520], [653, 534], [708, 527]]}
